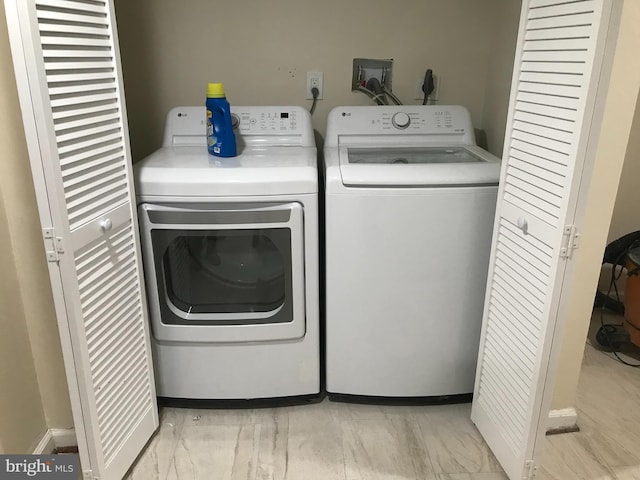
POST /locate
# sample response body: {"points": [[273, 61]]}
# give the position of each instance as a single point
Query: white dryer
{"points": [[410, 203], [230, 251]]}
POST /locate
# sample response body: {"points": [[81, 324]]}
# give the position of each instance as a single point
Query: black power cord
{"points": [[428, 86], [315, 93]]}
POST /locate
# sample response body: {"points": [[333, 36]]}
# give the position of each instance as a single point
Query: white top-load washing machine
{"points": [[230, 250], [410, 203]]}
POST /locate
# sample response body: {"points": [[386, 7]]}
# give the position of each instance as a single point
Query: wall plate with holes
{"points": [[315, 79], [365, 69]]}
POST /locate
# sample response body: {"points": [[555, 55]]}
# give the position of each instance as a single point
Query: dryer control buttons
{"points": [[401, 120], [266, 122]]}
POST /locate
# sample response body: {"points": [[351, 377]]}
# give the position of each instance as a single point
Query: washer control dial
{"points": [[401, 120]]}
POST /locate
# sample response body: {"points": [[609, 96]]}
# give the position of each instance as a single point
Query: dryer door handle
{"points": [[214, 215]]}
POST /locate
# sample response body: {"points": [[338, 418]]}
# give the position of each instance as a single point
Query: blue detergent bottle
{"points": [[221, 141]]}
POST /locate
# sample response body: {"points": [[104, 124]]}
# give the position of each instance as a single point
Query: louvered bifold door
{"points": [[70, 84], [557, 69]]}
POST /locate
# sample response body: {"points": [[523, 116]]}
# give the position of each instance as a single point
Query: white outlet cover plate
{"points": [[311, 78]]}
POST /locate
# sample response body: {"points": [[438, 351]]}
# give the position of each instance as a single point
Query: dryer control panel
{"points": [[265, 126], [270, 120], [453, 121]]}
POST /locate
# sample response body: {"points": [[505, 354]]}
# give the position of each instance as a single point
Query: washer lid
{"points": [[192, 172], [418, 166]]}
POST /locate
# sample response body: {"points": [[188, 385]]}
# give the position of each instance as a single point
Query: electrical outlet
{"points": [[314, 79], [419, 94]]}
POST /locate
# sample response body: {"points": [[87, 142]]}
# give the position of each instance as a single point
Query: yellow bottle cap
{"points": [[215, 90]]}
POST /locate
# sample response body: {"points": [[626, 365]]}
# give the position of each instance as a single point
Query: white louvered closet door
{"points": [[558, 67], [70, 85]]}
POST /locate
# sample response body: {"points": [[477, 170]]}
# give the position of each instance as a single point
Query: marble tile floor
{"points": [[324, 441], [338, 441]]}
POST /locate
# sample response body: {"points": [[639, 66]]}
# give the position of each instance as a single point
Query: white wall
{"points": [[262, 50], [626, 214], [21, 415]]}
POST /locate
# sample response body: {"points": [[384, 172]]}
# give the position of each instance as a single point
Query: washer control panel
{"points": [[442, 119], [402, 119], [443, 124]]}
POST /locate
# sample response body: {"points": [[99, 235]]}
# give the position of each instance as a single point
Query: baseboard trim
{"points": [[55, 438], [564, 420], [46, 444], [64, 437]]}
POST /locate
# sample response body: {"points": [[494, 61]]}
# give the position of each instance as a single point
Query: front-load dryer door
{"points": [[229, 272]]}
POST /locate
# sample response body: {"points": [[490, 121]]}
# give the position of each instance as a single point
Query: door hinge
{"points": [[88, 475], [53, 245], [530, 470], [570, 241]]}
